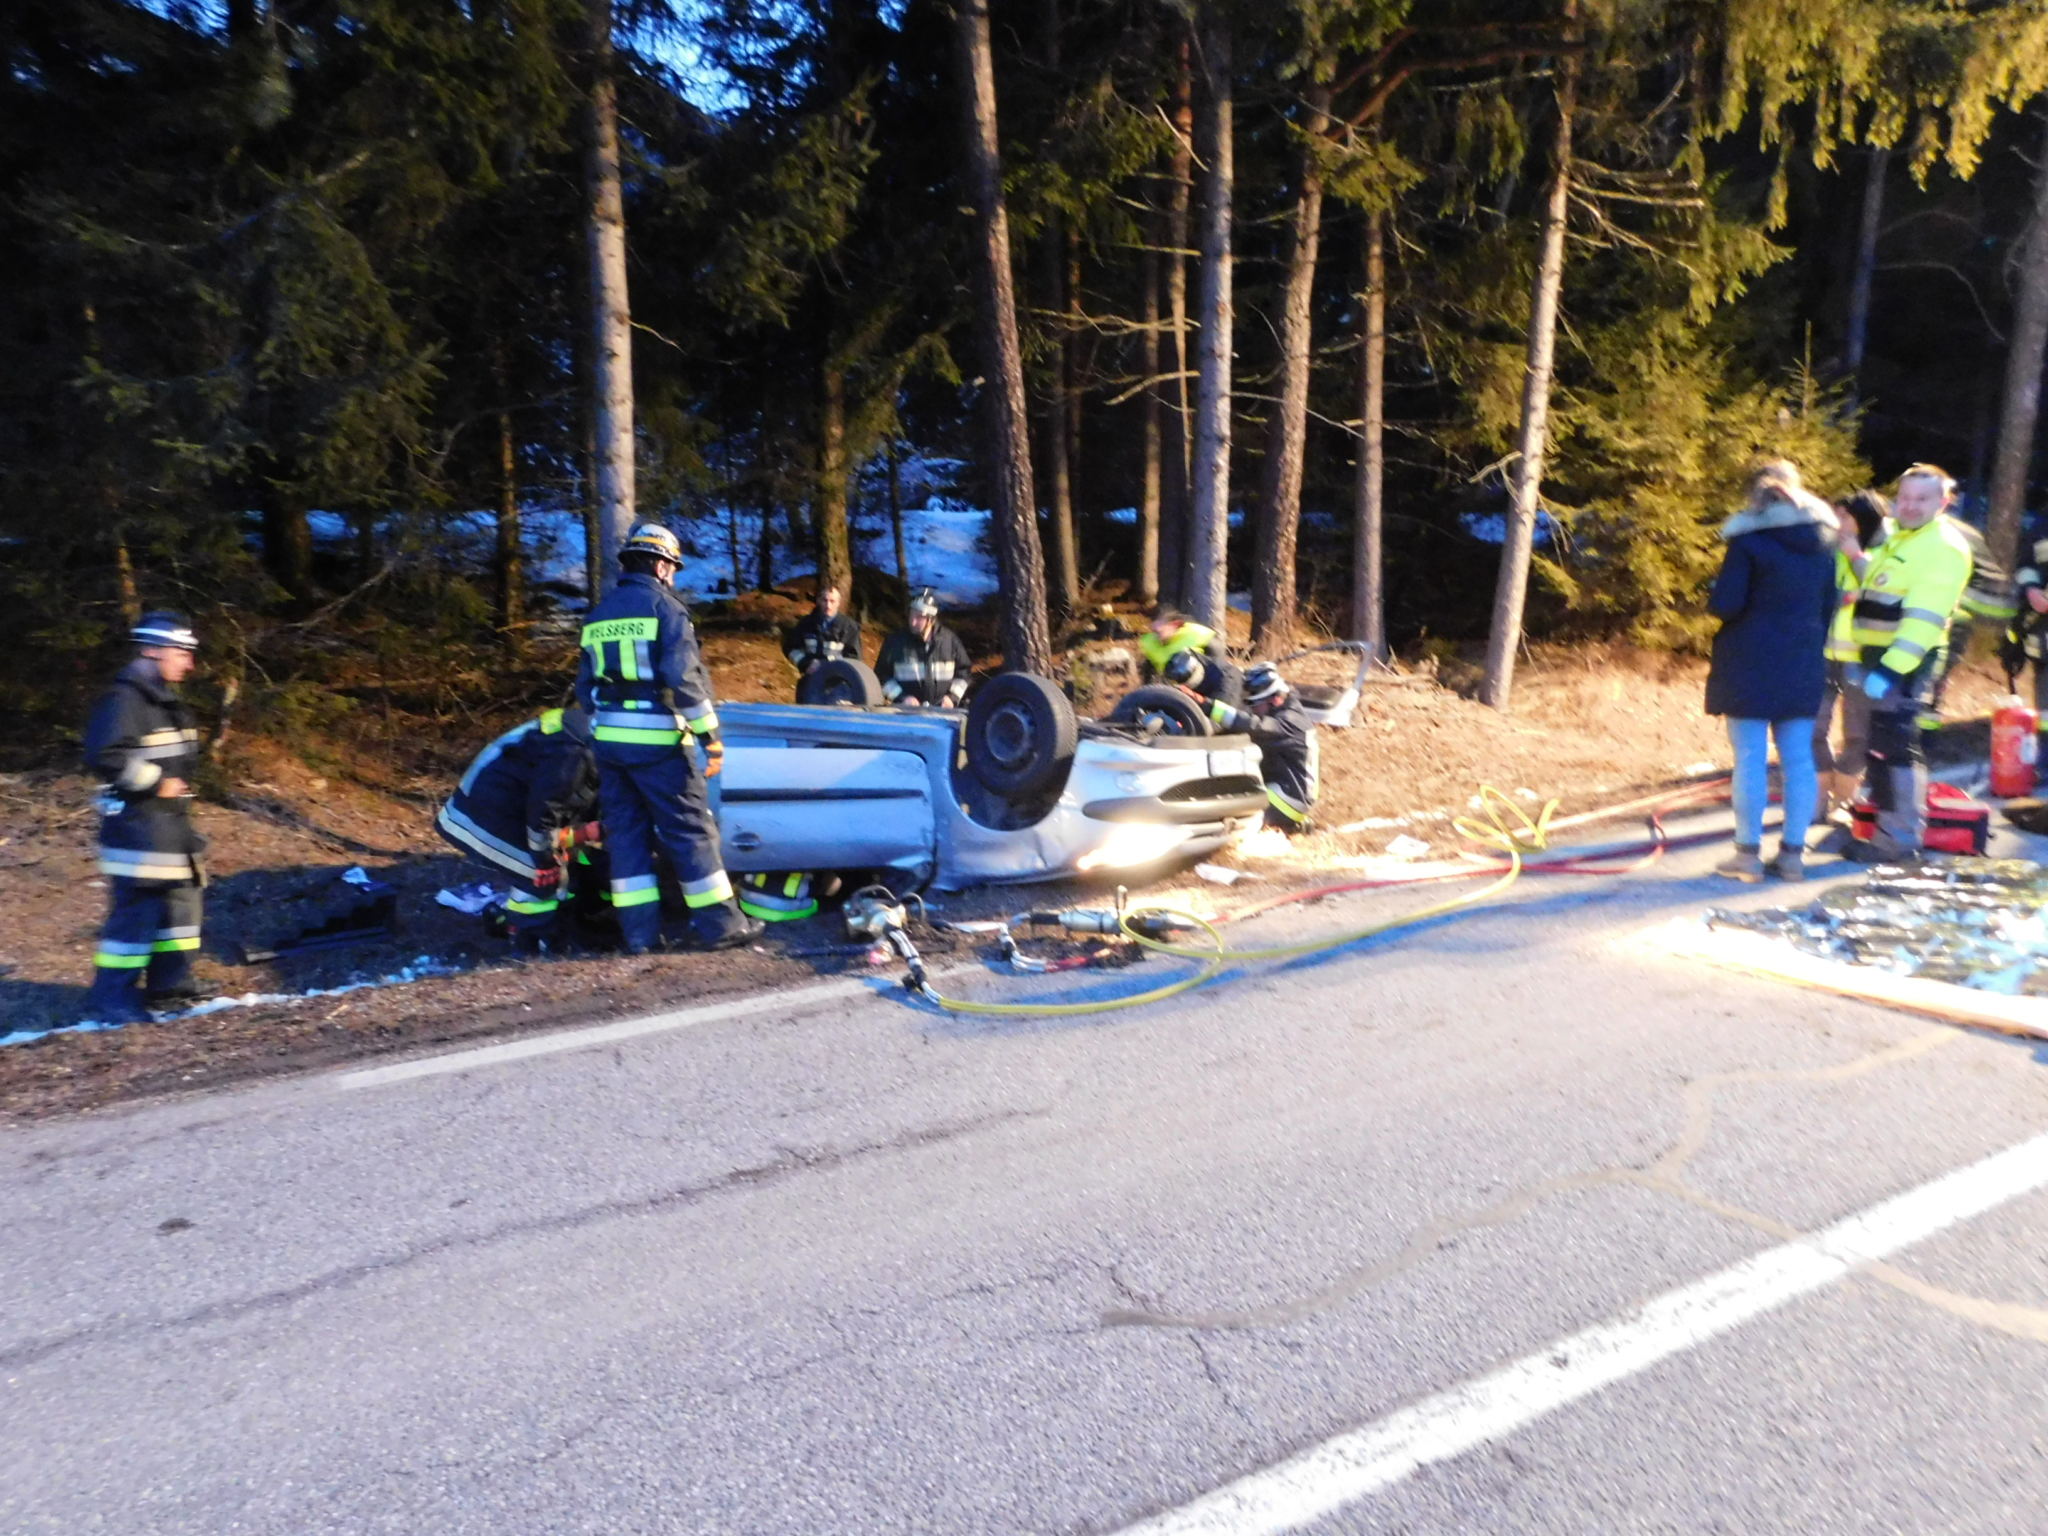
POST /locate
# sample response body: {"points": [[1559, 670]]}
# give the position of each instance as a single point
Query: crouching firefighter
{"points": [[142, 745], [1909, 592], [643, 681], [1286, 738], [527, 807]]}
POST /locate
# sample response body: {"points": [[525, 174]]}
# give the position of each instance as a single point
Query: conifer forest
{"points": [[1443, 323]]}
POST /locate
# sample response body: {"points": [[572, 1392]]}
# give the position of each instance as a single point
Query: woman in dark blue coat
{"points": [[1774, 597]]}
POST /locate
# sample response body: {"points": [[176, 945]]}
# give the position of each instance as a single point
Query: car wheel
{"points": [[1020, 734], [1165, 710], [843, 681]]}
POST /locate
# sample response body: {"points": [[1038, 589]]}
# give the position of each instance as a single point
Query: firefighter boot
{"points": [[115, 997], [170, 985], [723, 926]]}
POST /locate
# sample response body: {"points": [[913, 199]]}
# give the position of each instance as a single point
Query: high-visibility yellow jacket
{"points": [[1189, 637], [1842, 628], [1909, 592]]}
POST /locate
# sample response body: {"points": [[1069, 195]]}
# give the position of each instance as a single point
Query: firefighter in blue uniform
{"points": [[527, 807], [142, 745], [824, 634], [925, 663], [643, 681]]}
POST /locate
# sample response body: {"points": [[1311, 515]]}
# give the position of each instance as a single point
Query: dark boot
{"points": [[115, 997], [723, 926], [170, 986]]}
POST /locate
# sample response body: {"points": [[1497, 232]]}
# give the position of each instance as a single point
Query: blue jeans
{"points": [[1752, 742]]}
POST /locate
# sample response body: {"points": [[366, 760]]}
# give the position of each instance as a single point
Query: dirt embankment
{"points": [[1590, 729]]}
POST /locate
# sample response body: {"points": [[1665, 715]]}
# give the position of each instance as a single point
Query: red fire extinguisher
{"points": [[2013, 727]]}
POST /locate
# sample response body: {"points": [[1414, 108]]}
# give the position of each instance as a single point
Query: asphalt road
{"points": [[1495, 1225]]}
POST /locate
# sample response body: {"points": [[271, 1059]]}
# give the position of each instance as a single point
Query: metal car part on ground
{"points": [[954, 798]]}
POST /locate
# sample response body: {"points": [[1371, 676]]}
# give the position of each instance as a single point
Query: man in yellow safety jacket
{"points": [[1172, 633], [1909, 592]]}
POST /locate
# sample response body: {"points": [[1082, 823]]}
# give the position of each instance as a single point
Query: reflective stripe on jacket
{"points": [[140, 734], [933, 672], [641, 675], [537, 778], [1910, 590]]}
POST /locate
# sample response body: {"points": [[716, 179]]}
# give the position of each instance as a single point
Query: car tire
{"points": [[1021, 734], [842, 681], [1168, 710]]}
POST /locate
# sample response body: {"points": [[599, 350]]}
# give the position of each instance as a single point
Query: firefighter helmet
{"points": [[165, 628], [1263, 684], [1182, 667], [652, 539], [924, 604]]}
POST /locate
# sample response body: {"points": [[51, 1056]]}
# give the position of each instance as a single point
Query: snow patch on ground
{"points": [[422, 968]]}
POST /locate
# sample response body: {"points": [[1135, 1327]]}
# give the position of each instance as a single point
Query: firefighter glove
{"points": [[714, 754], [1879, 684], [547, 878]]}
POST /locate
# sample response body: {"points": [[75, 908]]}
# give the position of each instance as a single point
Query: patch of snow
{"points": [[422, 968], [1492, 527]]}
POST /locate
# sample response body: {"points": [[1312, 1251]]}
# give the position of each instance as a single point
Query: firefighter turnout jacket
{"points": [[1908, 594], [523, 789], [1289, 757], [932, 672], [817, 639], [641, 677], [140, 734], [2030, 629]]}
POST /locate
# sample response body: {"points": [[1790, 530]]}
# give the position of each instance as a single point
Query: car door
{"points": [[790, 805]]}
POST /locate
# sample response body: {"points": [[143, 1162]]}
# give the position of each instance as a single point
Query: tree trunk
{"points": [[1511, 592], [896, 516], [582, 349], [1209, 510], [1150, 466], [2011, 469], [287, 546], [1368, 592], [611, 313], [1065, 567], [1071, 374], [1173, 512], [1858, 332], [509, 563], [125, 591], [1020, 562], [764, 548], [1273, 572], [835, 543], [732, 544]]}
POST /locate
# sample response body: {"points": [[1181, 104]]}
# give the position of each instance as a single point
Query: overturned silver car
{"points": [[1009, 790]]}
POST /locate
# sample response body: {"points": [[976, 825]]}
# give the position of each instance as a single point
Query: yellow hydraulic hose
{"points": [[1495, 832]]}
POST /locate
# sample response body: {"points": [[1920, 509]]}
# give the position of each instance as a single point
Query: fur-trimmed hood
{"points": [[1799, 509]]}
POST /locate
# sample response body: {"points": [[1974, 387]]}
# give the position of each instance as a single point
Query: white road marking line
{"points": [[794, 999], [1360, 1462]]}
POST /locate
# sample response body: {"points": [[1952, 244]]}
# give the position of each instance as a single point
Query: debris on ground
{"points": [[1973, 922]]}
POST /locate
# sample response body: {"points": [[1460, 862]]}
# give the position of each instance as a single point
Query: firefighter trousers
{"points": [[657, 797], [1896, 778], [151, 934]]}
